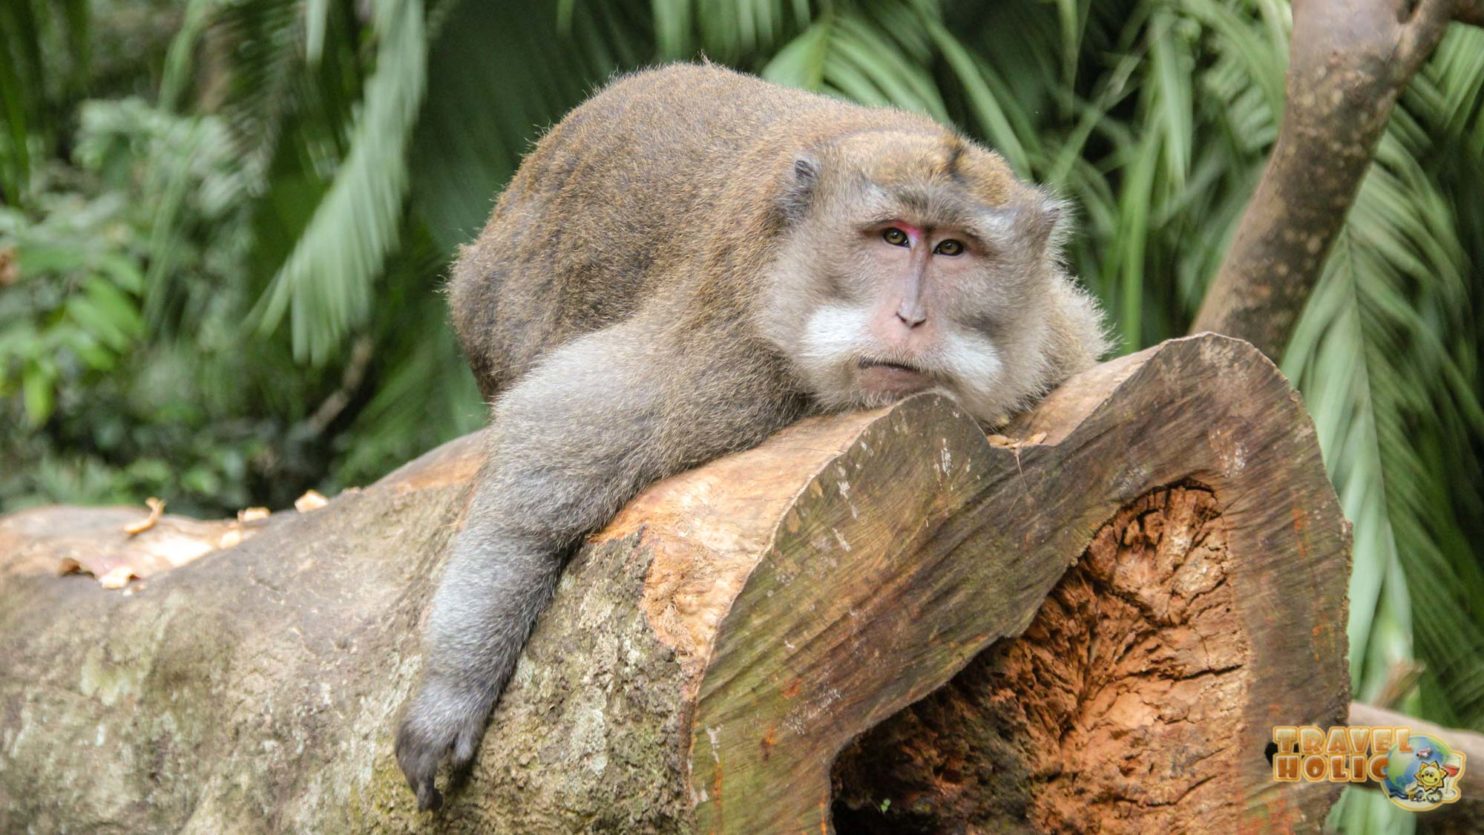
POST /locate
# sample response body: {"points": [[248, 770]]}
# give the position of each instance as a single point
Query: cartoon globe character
{"points": [[1419, 775]]}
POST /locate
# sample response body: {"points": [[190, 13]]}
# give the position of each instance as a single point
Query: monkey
{"points": [[690, 260]]}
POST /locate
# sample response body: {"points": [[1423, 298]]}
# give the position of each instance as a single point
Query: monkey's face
{"points": [[913, 264]]}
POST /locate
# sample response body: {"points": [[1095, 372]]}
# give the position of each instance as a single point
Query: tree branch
{"points": [[1348, 63], [1468, 812], [1470, 12]]}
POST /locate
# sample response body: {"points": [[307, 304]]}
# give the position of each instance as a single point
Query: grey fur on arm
{"points": [[574, 440]]}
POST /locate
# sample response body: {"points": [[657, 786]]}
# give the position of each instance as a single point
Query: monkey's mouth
{"points": [[894, 379], [866, 362]]}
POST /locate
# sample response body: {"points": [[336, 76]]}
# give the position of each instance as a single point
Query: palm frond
{"points": [[326, 282], [849, 54], [476, 124], [180, 59], [44, 64]]}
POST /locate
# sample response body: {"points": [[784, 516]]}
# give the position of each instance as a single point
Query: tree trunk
{"points": [[867, 622]]}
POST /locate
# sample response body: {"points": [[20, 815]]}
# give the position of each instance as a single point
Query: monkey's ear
{"points": [[798, 191], [806, 169], [1043, 220]]}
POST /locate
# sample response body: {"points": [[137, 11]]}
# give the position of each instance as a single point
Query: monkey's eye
{"points": [[950, 247], [895, 237]]}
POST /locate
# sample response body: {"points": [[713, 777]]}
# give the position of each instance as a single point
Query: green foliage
{"points": [[224, 291], [121, 329], [43, 65], [328, 275], [128, 341]]}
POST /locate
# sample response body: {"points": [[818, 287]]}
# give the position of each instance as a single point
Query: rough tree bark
{"points": [[1349, 61], [735, 629]]}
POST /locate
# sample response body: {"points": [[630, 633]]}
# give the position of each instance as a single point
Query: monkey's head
{"points": [[917, 261]]}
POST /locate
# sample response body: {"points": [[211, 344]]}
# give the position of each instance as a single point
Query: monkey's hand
{"points": [[445, 718]]}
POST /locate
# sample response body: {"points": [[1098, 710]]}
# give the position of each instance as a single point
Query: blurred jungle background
{"points": [[224, 225]]}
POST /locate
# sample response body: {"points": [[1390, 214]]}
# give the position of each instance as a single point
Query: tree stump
{"points": [[867, 623]]}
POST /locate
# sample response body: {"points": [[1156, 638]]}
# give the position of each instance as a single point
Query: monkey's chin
{"points": [[887, 382]]}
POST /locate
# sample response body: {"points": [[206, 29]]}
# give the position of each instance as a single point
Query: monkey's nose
{"points": [[911, 315]]}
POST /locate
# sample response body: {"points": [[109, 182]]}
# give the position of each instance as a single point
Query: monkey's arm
{"points": [[576, 438]]}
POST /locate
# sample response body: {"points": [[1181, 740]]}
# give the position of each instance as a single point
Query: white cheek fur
{"points": [[977, 373], [833, 339], [834, 334], [971, 358]]}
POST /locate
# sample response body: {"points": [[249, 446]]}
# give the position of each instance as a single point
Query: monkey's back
{"points": [[587, 229]]}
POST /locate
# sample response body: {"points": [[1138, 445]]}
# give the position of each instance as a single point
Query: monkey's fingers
{"points": [[428, 797], [418, 757], [467, 743]]}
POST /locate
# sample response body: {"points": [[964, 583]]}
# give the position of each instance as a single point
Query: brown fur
{"points": [[662, 190]]}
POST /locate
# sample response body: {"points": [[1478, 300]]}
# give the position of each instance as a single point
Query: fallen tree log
{"points": [[854, 585]]}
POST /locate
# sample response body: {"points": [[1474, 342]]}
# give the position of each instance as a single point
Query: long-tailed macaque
{"points": [[687, 262]]}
